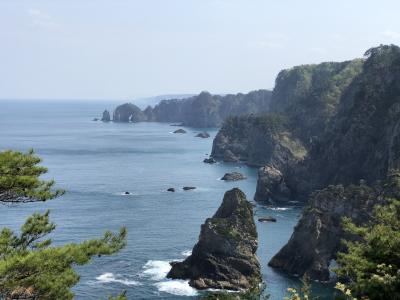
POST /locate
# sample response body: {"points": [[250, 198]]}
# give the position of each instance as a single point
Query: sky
{"points": [[123, 49]]}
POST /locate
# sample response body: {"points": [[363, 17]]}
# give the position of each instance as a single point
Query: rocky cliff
{"points": [[224, 257], [257, 140], [203, 110], [317, 237], [362, 141]]}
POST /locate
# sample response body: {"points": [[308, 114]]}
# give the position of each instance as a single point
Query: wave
{"points": [[186, 253], [156, 269], [280, 208], [176, 287], [111, 278]]}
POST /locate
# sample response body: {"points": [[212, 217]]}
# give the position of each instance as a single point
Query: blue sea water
{"points": [[97, 162]]}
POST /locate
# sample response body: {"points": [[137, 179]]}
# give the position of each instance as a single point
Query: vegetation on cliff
{"points": [[371, 264], [30, 267]]}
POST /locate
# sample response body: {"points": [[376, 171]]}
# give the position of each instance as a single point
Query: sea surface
{"points": [[96, 163]]}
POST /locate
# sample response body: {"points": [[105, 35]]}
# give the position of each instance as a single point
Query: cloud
{"points": [[41, 19], [393, 35]]}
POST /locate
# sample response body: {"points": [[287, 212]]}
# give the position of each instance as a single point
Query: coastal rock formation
{"points": [[257, 141], [180, 130], [201, 111], [209, 160], [128, 112], [317, 237], [203, 135], [188, 188], [234, 176], [224, 257], [106, 116], [271, 186]]}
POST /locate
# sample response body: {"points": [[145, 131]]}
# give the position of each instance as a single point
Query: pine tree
{"points": [[30, 267]]}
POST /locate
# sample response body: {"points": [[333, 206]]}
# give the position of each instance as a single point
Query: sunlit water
{"points": [[97, 162]]}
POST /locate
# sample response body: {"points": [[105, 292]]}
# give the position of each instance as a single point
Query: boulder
{"points": [[225, 255], [171, 190], [188, 188], [271, 185], [267, 219], [234, 176], [209, 160], [180, 130], [203, 135]]}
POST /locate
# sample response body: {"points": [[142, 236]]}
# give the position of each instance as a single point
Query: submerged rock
{"points": [[203, 135], [180, 130], [171, 190], [188, 188], [267, 219], [127, 193], [234, 176], [271, 185], [225, 255], [209, 160], [106, 116]]}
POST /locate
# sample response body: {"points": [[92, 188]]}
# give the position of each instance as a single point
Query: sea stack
{"points": [[106, 116], [225, 255]]}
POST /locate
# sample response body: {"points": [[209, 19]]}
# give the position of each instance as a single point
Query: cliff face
{"points": [[224, 257], [306, 97], [361, 142], [204, 110], [257, 140], [317, 237], [363, 139]]}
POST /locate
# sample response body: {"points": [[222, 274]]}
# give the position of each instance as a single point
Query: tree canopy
{"points": [[20, 178], [30, 266]]}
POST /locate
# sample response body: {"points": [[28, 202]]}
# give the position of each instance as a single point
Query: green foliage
{"points": [[371, 265], [121, 296], [30, 265], [19, 178], [303, 294]]}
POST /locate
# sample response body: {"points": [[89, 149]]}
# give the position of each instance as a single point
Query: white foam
{"points": [[186, 253], [280, 208], [176, 287], [156, 269], [110, 277]]}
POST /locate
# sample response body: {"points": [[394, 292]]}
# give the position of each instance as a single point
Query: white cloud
{"points": [[393, 35], [41, 19]]}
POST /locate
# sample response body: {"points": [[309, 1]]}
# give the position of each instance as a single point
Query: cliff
{"points": [[317, 237], [224, 257], [363, 140], [203, 110], [257, 140]]}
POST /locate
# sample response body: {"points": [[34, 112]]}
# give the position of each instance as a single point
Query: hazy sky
{"points": [[107, 49]]}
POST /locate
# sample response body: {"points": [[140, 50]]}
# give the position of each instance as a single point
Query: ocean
{"points": [[96, 163]]}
